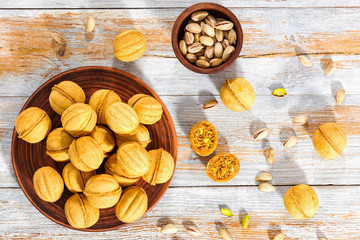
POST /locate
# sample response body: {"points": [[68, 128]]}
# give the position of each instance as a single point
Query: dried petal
{"points": [[227, 212], [245, 221], [279, 92]]}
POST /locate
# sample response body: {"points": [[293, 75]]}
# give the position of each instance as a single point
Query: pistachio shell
{"points": [[100, 100], [301, 201], [129, 45], [225, 43], [33, 125], [291, 141], [329, 140], [133, 160], [191, 57], [161, 167], [202, 63], [208, 30], [48, 184], [132, 205], [86, 154], [102, 191], [79, 119], [122, 118], [142, 136], [199, 15], [210, 20], [228, 52], [218, 50], [90, 24], [104, 137], [147, 108], [207, 41], [224, 25], [237, 94], [65, 94], [195, 47], [169, 229], [266, 187], [215, 62], [232, 37], [113, 168], [340, 96], [57, 144], [193, 28], [79, 213], [75, 179], [189, 38], [183, 48], [209, 52], [219, 35]]}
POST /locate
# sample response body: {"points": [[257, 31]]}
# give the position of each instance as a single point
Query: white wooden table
{"points": [[272, 31]]}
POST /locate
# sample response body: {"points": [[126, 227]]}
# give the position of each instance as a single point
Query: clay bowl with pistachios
{"points": [[207, 38]]}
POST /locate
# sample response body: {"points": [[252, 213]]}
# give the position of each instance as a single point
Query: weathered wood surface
{"points": [[300, 164], [273, 30], [172, 4], [200, 206]]}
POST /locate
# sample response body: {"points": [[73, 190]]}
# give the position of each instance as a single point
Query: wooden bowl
{"points": [[27, 158], [217, 11]]}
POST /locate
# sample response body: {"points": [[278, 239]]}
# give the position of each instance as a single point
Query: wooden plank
{"points": [[171, 4], [28, 58], [338, 216], [296, 165]]}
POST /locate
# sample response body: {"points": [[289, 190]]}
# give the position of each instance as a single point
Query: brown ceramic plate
{"points": [[27, 158]]}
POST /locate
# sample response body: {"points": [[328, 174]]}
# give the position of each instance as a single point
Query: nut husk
{"points": [[142, 136], [102, 191], [132, 159], [132, 205], [129, 45], [65, 94], [79, 213], [223, 167], [237, 94], [112, 167], [86, 154], [100, 100], [104, 137], [75, 179], [48, 184], [147, 107], [79, 119], [203, 138], [122, 118], [329, 140], [301, 201], [33, 125], [57, 144], [161, 167]]}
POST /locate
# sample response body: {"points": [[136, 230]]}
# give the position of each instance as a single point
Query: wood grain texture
{"points": [[172, 4], [295, 165], [338, 216]]}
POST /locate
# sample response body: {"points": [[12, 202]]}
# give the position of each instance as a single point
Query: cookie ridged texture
{"points": [[133, 160], [79, 213], [33, 125], [112, 167], [75, 179], [86, 154], [129, 45], [148, 108], [237, 94], [301, 201], [100, 100], [132, 205], [329, 140], [161, 167], [48, 184], [57, 144], [142, 136], [104, 137], [65, 94], [121, 118], [79, 119], [102, 191]]}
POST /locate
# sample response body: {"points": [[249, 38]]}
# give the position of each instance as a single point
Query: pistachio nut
{"points": [[219, 35], [228, 52], [199, 15], [261, 134], [225, 43], [183, 47], [224, 25], [194, 231], [269, 155], [58, 37], [215, 62], [209, 52], [300, 120], [266, 187], [207, 41], [305, 60], [193, 28], [169, 229], [340, 96], [191, 57], [264, 177], [218, 50], [209, 30], [291, 141], [225, 234], [202, 63], [279, 236], [189, 38], [330, 69], [195, 47], [197, 37], [210, 104], [200, 53], [232, 37], [90, 24], [210, 20]]}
